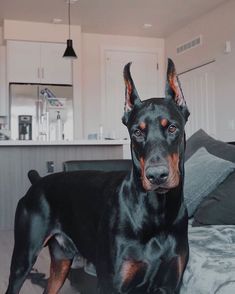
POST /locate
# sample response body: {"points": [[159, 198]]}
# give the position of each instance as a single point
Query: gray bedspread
{"points": [[211, 267]]}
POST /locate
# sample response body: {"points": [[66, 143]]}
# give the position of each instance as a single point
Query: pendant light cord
{"points": [[69, 51], [69, 18]]}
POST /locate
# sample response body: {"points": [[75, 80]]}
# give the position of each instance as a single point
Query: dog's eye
{"points": [[172, 129], [137, 133]]}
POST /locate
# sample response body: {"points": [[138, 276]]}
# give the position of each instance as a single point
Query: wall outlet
{"points": [[227, 47], [50, 166]]}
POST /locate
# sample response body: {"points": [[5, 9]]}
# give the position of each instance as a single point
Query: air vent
{"points": [[189, 45]]}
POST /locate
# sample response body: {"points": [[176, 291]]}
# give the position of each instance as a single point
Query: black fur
{"points": [[33, 176]]}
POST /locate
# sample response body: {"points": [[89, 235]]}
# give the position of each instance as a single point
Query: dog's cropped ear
{"points": [[173, 89], [131, 94]]}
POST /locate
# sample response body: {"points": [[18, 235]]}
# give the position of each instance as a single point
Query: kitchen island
{"points": [[18, 157], [84, 142]]}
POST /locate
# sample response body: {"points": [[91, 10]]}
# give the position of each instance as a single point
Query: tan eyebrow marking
{"points": [[164, 122], [142, 125]]}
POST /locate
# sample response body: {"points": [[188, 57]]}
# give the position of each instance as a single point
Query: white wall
{"points": [[1, 35], [92, 46], [215, 27]]}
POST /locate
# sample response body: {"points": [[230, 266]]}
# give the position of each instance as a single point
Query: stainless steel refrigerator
{"points": [[41, 112]]}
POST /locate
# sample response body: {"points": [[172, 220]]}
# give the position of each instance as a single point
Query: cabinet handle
{"points": [[38, 73], [42, 72]]}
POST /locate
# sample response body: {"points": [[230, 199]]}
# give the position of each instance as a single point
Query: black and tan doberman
{"points": [[131, 225]]}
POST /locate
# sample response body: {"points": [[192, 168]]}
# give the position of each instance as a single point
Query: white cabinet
{"points": [[3, 92], [35, 62], [23, 62], [55, 68]]}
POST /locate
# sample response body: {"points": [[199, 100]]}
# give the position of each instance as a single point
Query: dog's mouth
{"points": [[160, 189]]}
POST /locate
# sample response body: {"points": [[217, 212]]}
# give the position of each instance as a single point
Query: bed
{"points": [[211, 266]]}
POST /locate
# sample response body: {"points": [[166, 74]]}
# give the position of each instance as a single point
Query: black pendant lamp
{"points": [[69, 51]]}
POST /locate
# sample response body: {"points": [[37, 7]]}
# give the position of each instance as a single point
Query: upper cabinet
{"points": [[55, 68], [34, 62]]}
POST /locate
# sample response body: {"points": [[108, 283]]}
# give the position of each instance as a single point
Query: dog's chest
{"points": [[137, 262], [149, 251]]}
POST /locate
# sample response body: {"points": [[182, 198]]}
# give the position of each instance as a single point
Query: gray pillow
{"points": [[215, 147], [203, 173], [218, 208]]}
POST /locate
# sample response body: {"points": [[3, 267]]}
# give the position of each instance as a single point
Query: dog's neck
{"points": [[145, 209], [141, 205]]}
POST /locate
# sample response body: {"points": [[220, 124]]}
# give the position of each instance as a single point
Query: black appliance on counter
{"points": [[25, 127]]}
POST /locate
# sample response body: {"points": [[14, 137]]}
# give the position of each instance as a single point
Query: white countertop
{"points": [[64, 143]]}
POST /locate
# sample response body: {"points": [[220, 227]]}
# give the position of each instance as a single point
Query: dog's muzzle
{"points": [[155, 177], [160, 177]]}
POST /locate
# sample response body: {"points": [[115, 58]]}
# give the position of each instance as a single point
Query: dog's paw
{"points": [[162, 290]]}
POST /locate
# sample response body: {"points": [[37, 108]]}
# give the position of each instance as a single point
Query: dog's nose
{"points": [[157, 174]]}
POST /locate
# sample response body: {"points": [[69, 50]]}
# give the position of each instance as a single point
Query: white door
{"points": [[23, 62], [3, 90], [199, 90], [54, 68], [144, 71]]}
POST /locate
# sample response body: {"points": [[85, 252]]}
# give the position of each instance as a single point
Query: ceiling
{"points": [[123, 17]]}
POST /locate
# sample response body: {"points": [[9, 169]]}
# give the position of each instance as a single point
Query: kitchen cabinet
{"points": [[37, 62], [55, 69], [3, 92]]}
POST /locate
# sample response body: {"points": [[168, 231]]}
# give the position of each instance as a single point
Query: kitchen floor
{"points": [[77, 282]]}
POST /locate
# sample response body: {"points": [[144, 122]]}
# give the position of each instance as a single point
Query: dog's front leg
{"points": [[104, 277], [164, 291], [103, 268], [105, 281], [105, 287], [170, 275]]}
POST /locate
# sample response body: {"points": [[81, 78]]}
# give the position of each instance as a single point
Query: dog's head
{"points": [[156, 128]]}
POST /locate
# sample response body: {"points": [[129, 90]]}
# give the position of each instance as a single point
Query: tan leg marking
{"points": [[58, 273]]}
